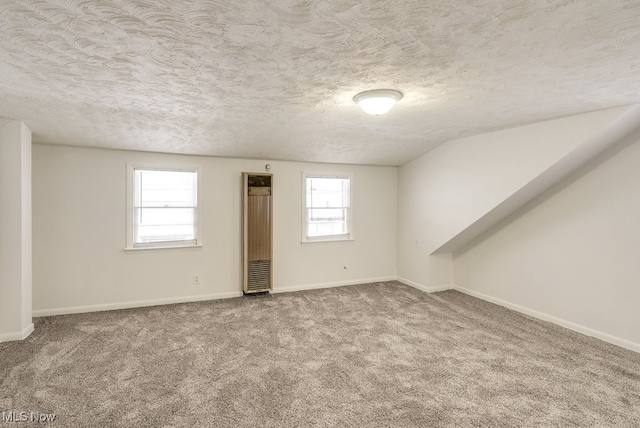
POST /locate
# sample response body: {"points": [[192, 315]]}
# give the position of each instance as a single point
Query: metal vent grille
{"points": [[259, 275]]}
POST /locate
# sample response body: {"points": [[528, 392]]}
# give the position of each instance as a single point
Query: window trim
{"points": [[129, 239], [328, 238]]}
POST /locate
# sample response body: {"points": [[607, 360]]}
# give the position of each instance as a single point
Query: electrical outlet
{"points": [[196, 279], [417, 244]]}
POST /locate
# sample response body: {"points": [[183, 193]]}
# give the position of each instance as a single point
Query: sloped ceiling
{"points": [[275, 79], [623, 130]]}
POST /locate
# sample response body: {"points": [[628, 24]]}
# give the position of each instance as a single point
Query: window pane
{"points": [[327, 228], [165, 204], [164, 216], [327, 202], [327, 192], [327, 214], [164, 224], [165, 188], [326, 222], [148, 234]]}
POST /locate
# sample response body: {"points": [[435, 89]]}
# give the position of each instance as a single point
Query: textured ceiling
{"points": [[275, 79]]}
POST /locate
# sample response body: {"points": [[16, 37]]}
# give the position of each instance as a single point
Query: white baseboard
{"points": [[559, 321], [186, 299], [332, 284], [19, 335], [424, 288], [136, 304]]}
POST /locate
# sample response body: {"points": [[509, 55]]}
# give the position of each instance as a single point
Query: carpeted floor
{"points": [[373, 355]]}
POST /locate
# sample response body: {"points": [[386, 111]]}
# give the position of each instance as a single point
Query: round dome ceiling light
{"points": [[378, 101]]}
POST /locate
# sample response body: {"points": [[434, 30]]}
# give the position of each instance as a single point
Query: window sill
{"points": [[166, 247], [320, 241]]}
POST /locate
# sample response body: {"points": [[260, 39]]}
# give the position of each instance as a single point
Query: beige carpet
{"points": [[373, 355]]}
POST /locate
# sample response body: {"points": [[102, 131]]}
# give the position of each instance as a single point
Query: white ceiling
{"points": [[275, 79]]}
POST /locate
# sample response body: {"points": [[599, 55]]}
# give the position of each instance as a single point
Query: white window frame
{"points": [[349, 223], [130, 245]]}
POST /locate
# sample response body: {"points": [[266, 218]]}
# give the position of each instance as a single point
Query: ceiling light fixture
{"points": [[378, 101]]}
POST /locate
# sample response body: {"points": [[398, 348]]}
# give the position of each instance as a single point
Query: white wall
{"points": [[574, 257], [446, 190], [15, 231], [79, 232]]}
